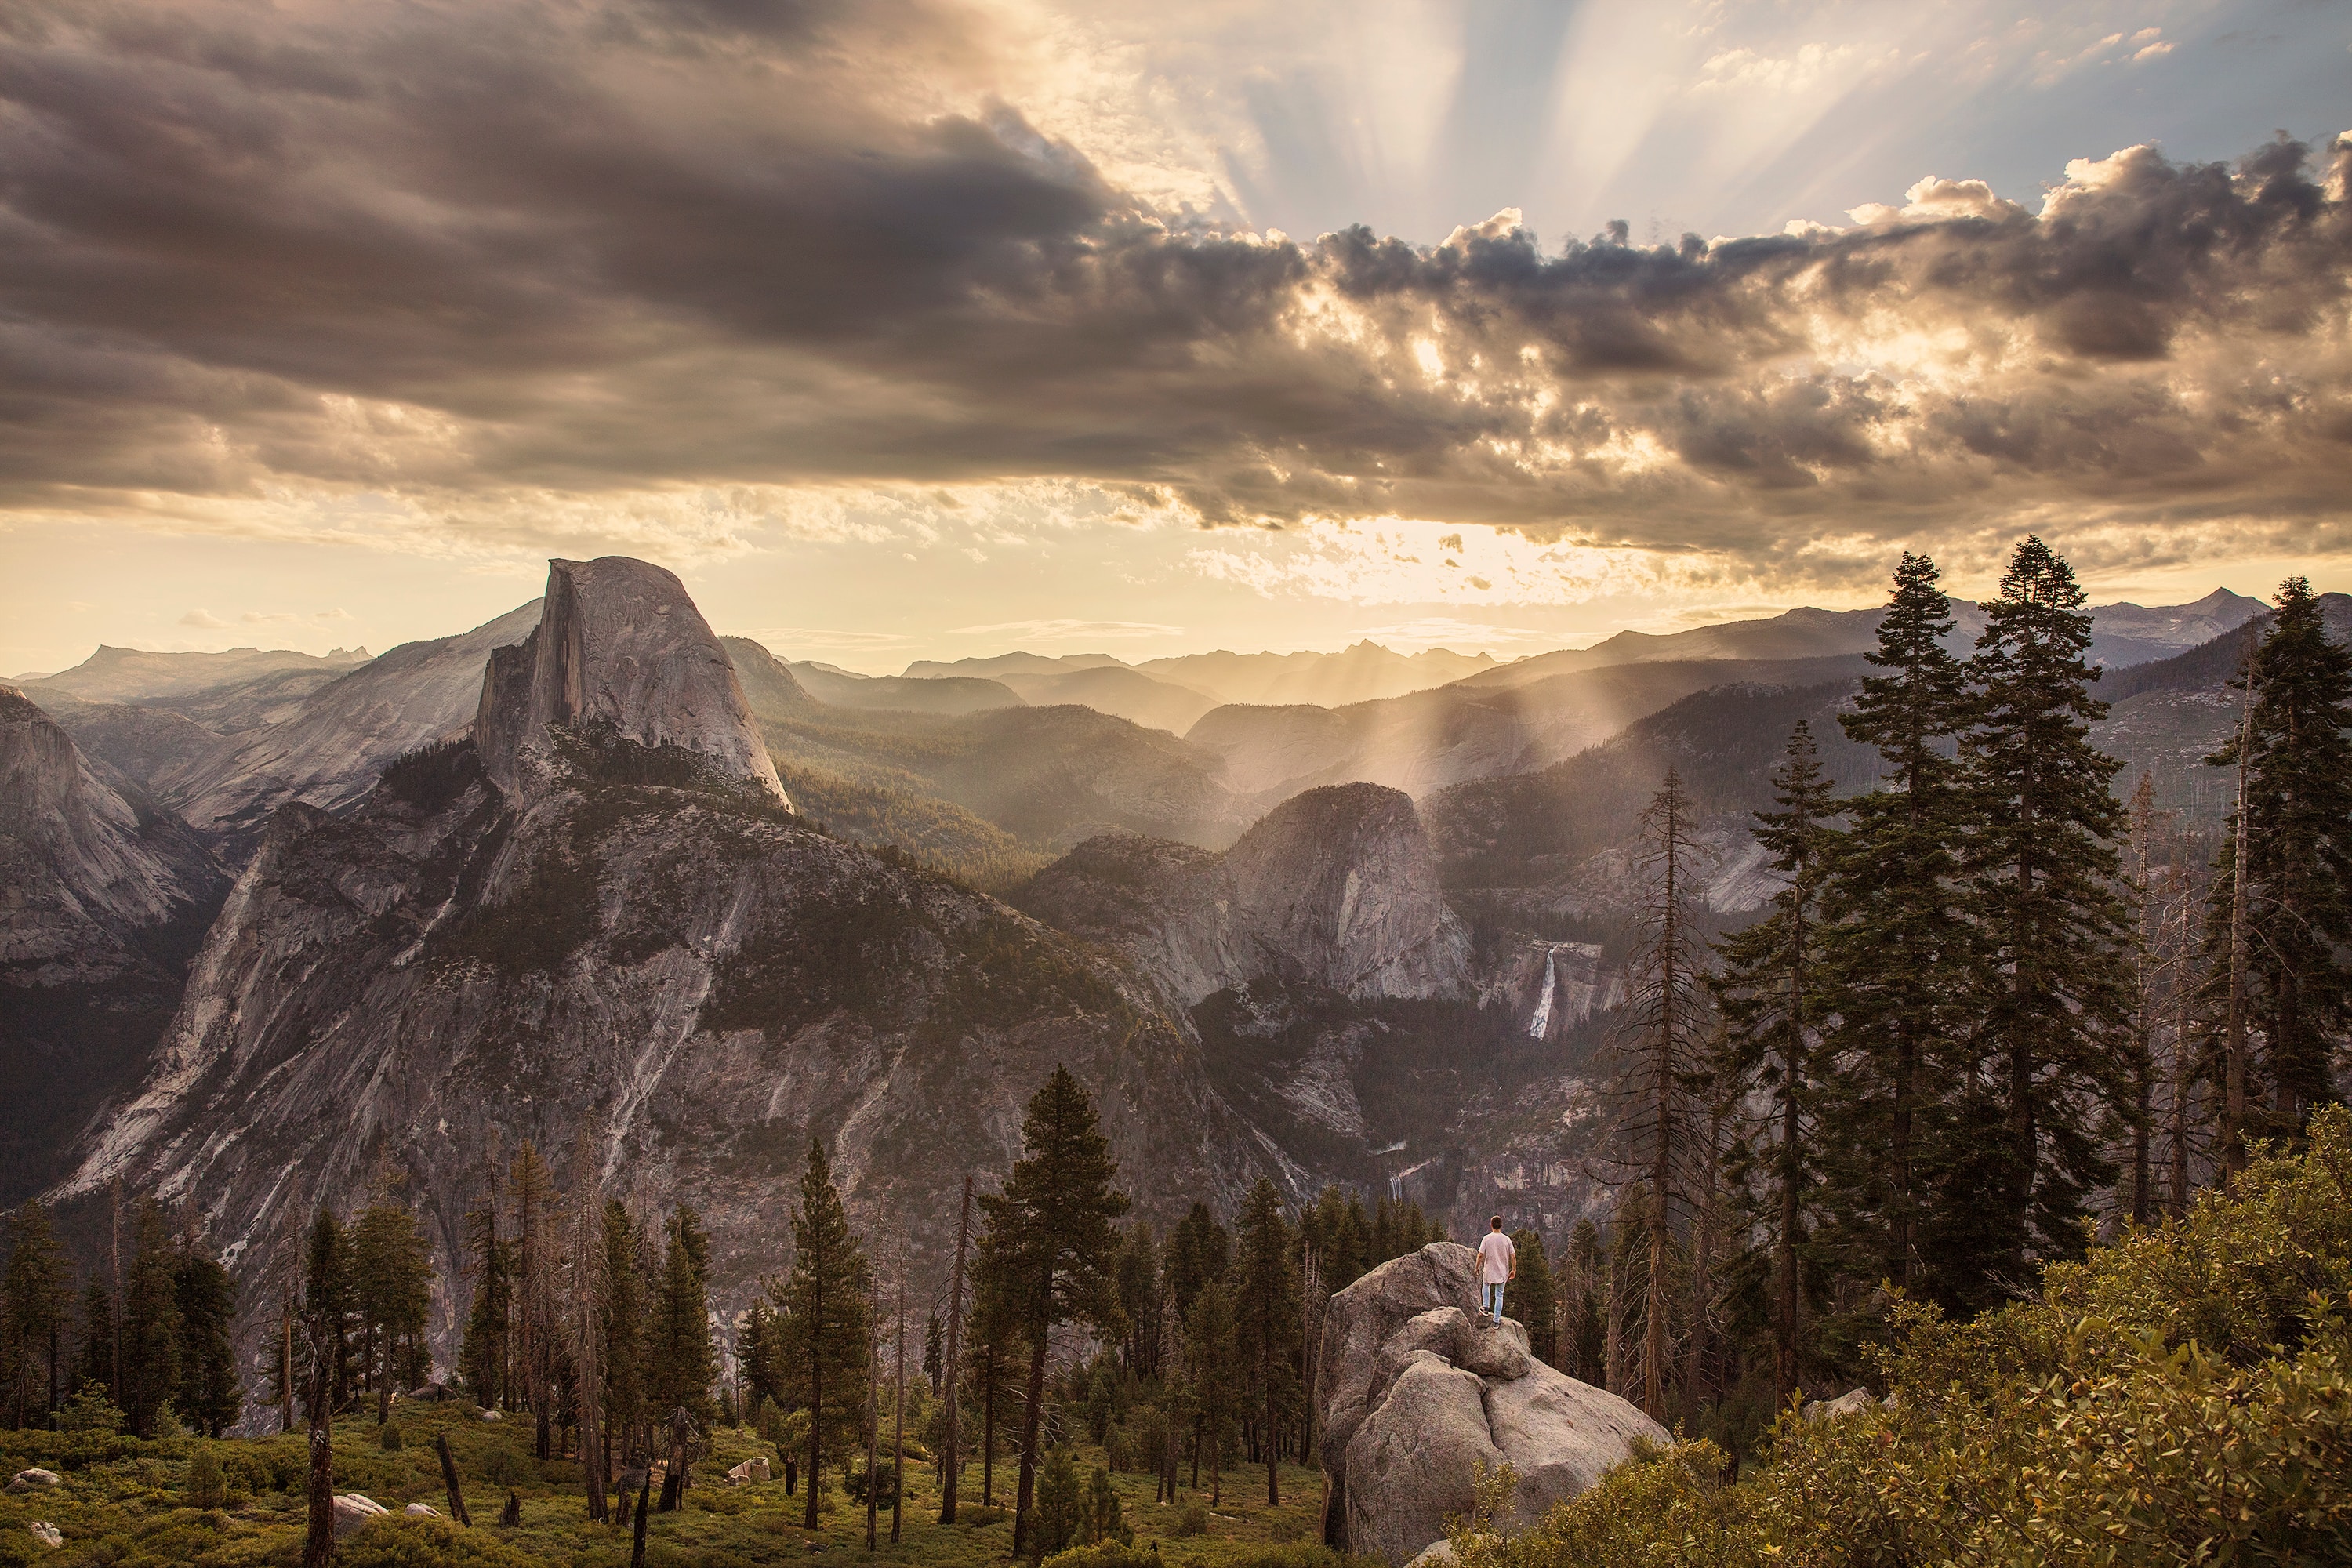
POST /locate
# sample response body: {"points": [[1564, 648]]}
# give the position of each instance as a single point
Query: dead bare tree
{"points": [[951, 1444], [584, 1325], [1659, 1045]]}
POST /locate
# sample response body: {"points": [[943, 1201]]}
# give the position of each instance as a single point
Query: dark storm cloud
{"points": [[594, 248]]}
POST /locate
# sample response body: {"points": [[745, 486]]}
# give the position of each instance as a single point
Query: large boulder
{"points": [[354, 1512], [1416, 1394], [33, 1481]]}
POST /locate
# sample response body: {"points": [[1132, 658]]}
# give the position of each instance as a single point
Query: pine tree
{"points": [[36, 1300], [151, 1324], [1661, 1045], [326, 1302], [823, 1322], [2051, 975], [391, 1286], [1199, 1251], [683, 1365], [1770, 993], [94, 1344], [762, 1357], [210, 1398], [1139, 1300], [1896, 943], [1211, 1390], [2298, 849], [483, 1357], [993, 1352], [1053, 1232], [1534, 1296], [1267, 1320]]}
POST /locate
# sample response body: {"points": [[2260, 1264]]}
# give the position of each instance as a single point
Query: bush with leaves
{"points": [[1061, 1506], [2183, 1396], [206, 1486]]}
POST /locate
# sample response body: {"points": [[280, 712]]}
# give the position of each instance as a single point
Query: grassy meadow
{"points": [[125, 1503]]}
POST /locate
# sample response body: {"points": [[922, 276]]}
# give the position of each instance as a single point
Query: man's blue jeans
{"points": [[1493, 1307]]}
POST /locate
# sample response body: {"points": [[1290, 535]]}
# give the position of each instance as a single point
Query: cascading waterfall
{"points": [[1537, 1025]]}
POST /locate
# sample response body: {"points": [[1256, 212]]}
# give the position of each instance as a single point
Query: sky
{"points": [[909, 328]]}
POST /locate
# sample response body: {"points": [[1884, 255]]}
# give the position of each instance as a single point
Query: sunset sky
{"points": [[913, 329]]}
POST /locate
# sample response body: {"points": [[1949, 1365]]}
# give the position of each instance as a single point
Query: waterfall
{"points": [[1543, 1004]]}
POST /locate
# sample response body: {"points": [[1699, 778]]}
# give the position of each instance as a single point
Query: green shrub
{"points": [[1105, 1523], [206, 1487], [1116, 1554], [979, 1517], [503, 1467], [2182, 1397], [387, 1438], [396, 1541], [1194, 1520], [89, 1411], [1061, 1507]]}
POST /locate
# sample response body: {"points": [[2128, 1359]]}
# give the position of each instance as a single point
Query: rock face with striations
{"points": [[104, 894], [1414, 1394], [1335, 889], [619, 646], [643, 963]]}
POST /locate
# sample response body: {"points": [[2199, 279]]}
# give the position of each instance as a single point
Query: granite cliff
{"points": [[104, 894], [1336, 890]]}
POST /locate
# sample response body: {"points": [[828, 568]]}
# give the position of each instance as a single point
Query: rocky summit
{"points": [[619, 645]]}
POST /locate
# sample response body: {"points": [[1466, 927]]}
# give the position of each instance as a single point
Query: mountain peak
{"points": [[619, 643]]}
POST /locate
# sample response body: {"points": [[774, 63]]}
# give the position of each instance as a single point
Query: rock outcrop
{"points": [[1414, 1397], [1335, 889], [103, 896], [619, 646]]}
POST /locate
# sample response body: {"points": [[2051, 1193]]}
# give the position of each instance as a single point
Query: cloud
{"points": [[669, 275], [206, 619]]}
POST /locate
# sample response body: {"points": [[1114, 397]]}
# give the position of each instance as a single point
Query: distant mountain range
{"points": [[444, 900]]}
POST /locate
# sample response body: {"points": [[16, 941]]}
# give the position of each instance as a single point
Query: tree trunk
{"points": [[1029, 1420], [989, 1374], [816, 1397], [286, 1364], [898, 1433], [874, 1410], [319, 1544], [951, 1445], [450, 1480], [2234, 1037], [1654, 1326]]}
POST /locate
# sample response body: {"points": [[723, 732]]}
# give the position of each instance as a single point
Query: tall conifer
{"points": [[35, 1303], [1895, 940], [2298, 849], [821, 1303], [211, 1396], [1770, 993], [1053, 1232], [2053, 981], [151, 1324], [1267, 1320]]}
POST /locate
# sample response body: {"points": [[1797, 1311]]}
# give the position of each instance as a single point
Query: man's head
{"points": [[1496, 1223]]}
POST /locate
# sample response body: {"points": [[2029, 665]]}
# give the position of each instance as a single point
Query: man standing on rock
{"points": [[1498, 1264]]}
